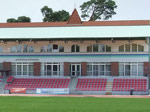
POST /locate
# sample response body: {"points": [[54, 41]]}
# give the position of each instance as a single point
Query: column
{"points": [[66, 69], [37, 69], [7, 66], [146, 68], [115, 69], [84, 68]]}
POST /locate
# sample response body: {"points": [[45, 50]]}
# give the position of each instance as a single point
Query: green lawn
{"points": [[69, 104]]}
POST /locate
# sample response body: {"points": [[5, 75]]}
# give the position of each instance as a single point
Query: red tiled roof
{"points": [[88, 23], [117, 23], [74, 18]]}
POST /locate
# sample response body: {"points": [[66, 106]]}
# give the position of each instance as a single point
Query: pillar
{"points": [[146, 68], [66, 69], [84, 68], [37, 69], [114, 69]]}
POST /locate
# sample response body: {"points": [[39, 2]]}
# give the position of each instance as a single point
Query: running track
{"points": [[98, 96]]}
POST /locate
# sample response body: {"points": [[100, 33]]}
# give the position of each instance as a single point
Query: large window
{"points": [[131, 48], [98, 48], [98, 69], [52, 48], [22, 68], [22, 48], [131, 69], [52, 69], [75, 48]]}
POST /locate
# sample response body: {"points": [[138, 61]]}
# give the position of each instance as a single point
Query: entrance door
{"points": [[75, 69]]}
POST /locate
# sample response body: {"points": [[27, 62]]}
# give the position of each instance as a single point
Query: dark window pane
{"points": [[121, 48], [77, 48], [127, 47], [95, 48], [108, 48], [89, 48], [134, 47], [55, 46], [61, 49], [140, 48], [73, 48]]}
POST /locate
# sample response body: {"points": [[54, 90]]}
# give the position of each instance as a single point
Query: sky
{"points": [[126, 10]]}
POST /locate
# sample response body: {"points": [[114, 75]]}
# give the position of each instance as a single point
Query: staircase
{"points": [[2, 85], [109, 87], [72, 85]]}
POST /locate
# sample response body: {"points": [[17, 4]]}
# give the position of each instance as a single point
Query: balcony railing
{"points": [[54, 53]]}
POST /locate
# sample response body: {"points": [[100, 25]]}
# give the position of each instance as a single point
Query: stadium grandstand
{"points": [[75, 57]]}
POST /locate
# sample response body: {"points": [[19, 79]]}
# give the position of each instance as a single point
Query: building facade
{"points": [[75, 48]]}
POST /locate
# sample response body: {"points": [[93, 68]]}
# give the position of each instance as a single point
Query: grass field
{"points": [[73, 104]]}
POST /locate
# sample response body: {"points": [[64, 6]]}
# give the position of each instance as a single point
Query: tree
{"points": [[11, 20], [21, 19], [53, 16], [98, 9]]}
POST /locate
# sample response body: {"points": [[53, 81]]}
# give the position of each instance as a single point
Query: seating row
{"points": [[33, 83]]}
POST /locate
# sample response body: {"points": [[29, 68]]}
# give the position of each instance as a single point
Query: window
{"points": [[101, 48], [52, 69], [140, 48], [89, 48], [131, 69], [98, 69], [52, 48], [1, 49], [22, 68], [1, 66], [127, 47], [61, 49], [98, 48], [21, 48], [49, 48], [31, 49], [108, 48], [75, 48], [131, 48], [95, 48], [121, 48], [134, 47], [25, 49], [13, 49], [55, 47]]}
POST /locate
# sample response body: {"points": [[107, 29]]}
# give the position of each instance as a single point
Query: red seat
{"points": [[91, 84], [128, 84], [39, 83]]}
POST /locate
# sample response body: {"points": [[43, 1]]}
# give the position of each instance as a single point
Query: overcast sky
{"points": [[127, 9]]}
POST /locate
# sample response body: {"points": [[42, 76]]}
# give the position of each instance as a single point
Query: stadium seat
{"points": [[91, 84], [128, 84], [33, 83]]}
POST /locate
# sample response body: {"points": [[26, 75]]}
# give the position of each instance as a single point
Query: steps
{"points": [[109, 87], [72, 85], [2, 85]]}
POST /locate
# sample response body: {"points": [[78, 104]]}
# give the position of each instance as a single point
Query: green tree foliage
{"points": [[11, 20], [53, 16], [21, 19], [98, 9]]}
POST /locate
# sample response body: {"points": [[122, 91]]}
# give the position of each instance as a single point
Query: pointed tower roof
{"points": [[74, 18]]}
